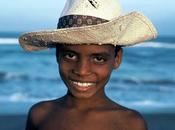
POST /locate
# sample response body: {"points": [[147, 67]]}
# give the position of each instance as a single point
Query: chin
{"points": [[82, 95]]}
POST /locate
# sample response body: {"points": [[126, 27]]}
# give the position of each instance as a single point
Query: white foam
{"points": [[150, 106], [8, 40], [147, 103], [146, 44], [20, 97], [156, 45], [17, 97]]}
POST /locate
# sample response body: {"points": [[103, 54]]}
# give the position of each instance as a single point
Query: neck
{"points": [[85, 103]]}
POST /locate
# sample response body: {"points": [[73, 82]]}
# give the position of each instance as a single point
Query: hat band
{"points": [[78, 21]]}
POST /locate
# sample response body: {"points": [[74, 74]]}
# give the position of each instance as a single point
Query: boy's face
{"points": [[85, 69]]}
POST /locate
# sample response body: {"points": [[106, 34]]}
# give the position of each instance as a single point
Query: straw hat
{"points": [[92, 22]]}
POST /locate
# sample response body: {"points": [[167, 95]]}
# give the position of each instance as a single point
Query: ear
{"points": [[118, 58]]}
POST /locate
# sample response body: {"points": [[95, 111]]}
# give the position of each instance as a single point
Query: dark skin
{"points": [[85, 69]]}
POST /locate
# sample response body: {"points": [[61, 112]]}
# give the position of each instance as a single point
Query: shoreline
{"points": [[155, 121], [12, 122], [160, 121]]}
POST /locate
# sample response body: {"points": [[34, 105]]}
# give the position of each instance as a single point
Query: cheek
{"points": [[104, 72], [64, 72], [66, 68], [63, 68]]}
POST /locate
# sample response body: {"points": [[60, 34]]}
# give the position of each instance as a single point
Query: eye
{"points": [[99, 59], [69, 56]]}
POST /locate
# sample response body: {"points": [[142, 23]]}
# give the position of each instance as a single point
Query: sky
{"points": [[31, 15]]}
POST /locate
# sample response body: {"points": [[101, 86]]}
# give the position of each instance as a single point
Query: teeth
{"points": [[83, 84]]}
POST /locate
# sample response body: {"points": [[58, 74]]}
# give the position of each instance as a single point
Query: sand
{"points": [[154, 121], [12, 122], [160, 121]]}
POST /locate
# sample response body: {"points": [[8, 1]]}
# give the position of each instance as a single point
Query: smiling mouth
{"points": [[83, 84]]}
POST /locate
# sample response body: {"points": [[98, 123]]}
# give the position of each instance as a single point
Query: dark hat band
{"points": [[78, 21]]}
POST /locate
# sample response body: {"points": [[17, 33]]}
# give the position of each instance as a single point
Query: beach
{"points": [[12, 122], [155, 121], [160, 121], [144, 82]]}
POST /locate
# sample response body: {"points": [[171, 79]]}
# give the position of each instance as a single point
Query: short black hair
{"points": [[117, 49]]}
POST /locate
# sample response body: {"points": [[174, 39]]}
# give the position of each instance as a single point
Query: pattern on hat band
{"points": [[78, 21]]}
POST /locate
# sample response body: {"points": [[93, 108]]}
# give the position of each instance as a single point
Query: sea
{"points": [[145, 80]]}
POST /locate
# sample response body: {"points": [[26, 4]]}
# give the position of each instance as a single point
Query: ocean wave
{"points": [[8, 76], [22, 97], [18, 103], [8, 40], [137, 81], [145, 103], [156, 45], [25, 98], [150, 106], [19, 97]]}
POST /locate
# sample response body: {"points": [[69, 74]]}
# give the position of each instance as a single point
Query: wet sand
{"points": [[160, 121], [12, 122]]}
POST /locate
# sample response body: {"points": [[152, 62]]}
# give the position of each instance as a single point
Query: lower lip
{"points": [[83, 89]]}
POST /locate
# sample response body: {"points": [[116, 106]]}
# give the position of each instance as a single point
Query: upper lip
{"points": [[84, 81]]}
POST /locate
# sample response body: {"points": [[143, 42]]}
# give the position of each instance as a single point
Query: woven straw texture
{"points": [[126, 30]]}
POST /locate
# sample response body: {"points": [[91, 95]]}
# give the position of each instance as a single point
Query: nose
{"points": [[82, 68]]}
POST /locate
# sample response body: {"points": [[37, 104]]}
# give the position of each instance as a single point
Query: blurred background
{"points": [[145, 81]]}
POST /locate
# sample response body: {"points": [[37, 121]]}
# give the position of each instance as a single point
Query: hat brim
{"points": [[126, 30]]}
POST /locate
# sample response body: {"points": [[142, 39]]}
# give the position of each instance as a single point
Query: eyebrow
{"points": [[101, 54], [68, 50]]}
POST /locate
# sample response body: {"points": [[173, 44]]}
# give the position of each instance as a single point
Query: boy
{"points": [[88, 45]]}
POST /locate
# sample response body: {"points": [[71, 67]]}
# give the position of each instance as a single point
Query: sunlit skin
{"points": [[92, 64], [85, 70]]}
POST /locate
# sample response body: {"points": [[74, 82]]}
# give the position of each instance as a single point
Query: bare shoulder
{"points": [[133, 119], [38, 112], [125, 119], [136, 121]]}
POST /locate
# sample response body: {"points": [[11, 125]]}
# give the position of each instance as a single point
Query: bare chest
{"points": [[80, 122]]}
